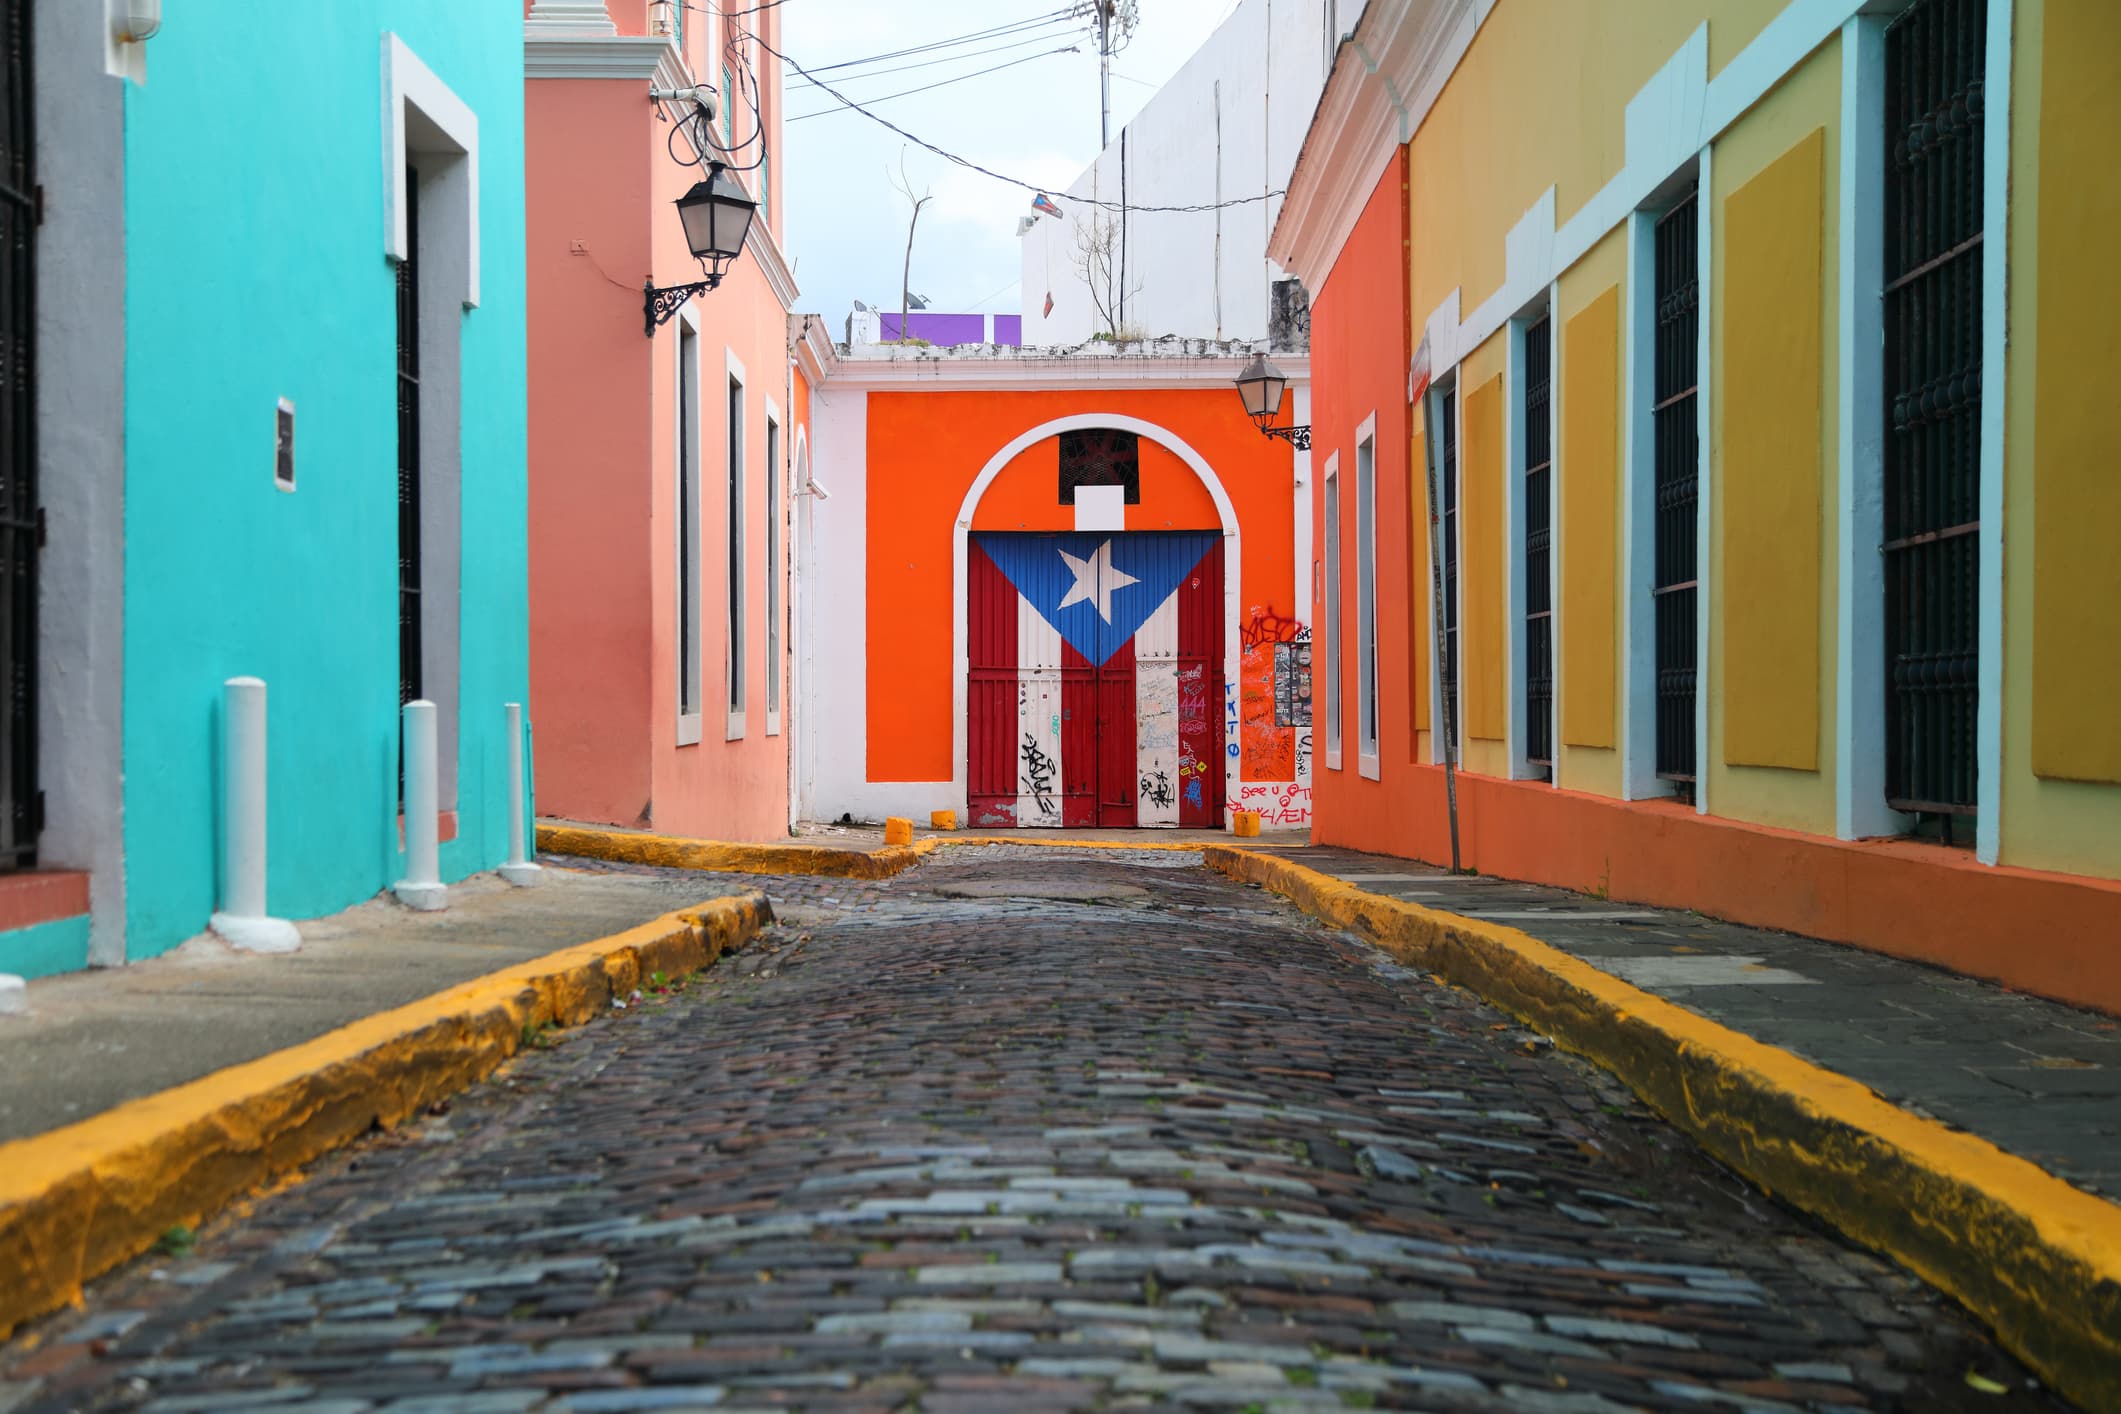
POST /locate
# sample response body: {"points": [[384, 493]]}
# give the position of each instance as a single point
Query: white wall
{"points": [[1199, 274]]}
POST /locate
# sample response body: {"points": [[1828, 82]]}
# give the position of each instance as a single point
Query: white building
{"points": [[1225, 129]]}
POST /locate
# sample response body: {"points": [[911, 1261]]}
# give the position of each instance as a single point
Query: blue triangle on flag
{"points": [[1127, 576]]}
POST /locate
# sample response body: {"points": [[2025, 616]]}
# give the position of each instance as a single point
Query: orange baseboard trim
{"points": [[41, 896], [2034, 931]]}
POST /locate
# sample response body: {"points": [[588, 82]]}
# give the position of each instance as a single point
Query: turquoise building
{"points": [[279, 432]]}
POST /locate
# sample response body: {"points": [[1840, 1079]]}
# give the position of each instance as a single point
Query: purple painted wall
{"points": [[946, 330]]}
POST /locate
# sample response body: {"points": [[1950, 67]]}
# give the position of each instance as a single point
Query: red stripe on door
{"points": [[1201, 708], [1117, 712], [1078, 739], [990, 700]]}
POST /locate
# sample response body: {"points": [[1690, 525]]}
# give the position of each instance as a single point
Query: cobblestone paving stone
{"points": [[1023, 1130]]}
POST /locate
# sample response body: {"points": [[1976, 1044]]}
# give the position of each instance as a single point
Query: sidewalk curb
{"points": [[77, 1201], [715, 856], [673, 852], [2036, 1258]]}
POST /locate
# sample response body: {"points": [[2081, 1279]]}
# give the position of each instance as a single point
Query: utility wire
{"points": [[946, 59], [939, 83], [1056, 17], [970, 165]]}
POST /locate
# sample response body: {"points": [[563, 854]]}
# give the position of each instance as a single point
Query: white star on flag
{"points": [[1095, 579]]}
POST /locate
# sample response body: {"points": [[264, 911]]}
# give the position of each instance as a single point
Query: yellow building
{"points": [[1767, 343]]}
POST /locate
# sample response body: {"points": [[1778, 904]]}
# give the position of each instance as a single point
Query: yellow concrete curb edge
{"points": [[80, 1200], [2037, 1259], [673, 852]]}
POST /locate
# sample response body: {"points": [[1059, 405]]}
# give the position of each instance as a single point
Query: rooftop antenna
{"points": [[1116, 20]]}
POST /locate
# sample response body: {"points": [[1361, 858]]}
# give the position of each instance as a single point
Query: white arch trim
{"points": [[960, 541]]}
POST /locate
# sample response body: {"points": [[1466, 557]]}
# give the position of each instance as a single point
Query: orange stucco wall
{"points": [[1359, 358], [924, 452], [603, 482]]}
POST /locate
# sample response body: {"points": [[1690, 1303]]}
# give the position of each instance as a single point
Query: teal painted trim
{"points": [[60, 945]]}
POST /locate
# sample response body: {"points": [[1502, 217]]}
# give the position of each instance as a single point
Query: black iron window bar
{"points": [[1538, 548], [1678, 482], [1936, 55], [1447, 427]]}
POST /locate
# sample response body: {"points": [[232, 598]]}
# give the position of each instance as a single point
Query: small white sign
{"points": [[1100, 508]]}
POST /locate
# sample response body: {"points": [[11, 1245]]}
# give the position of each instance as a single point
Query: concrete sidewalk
{"points": [[95, 1039], [2035, 1078]]}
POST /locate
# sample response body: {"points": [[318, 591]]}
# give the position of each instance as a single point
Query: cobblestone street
{"points": [[1023, 1129]]}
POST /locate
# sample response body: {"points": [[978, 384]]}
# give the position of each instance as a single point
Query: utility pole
{"points": [[1104, 74], [1113, 16]]}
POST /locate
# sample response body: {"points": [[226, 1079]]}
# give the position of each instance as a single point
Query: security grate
{"points": [[409, 686], [21, 812], [1100, 456], [1538, 548], [1678, 447], [1447, 426], [1935, 56]]}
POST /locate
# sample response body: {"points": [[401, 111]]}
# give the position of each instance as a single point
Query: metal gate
{"points": [[1094, 691], [1935, 57], [21, 803]]}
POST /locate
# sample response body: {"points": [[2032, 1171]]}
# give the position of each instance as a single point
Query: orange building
{"points": [[660, 450], [1054, 588]]}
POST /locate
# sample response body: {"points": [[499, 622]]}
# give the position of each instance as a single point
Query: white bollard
{"points": [[242, 919], [422, 886], [14, 995], [518, 870]]}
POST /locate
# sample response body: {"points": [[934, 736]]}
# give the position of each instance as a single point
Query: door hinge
{"points": [[40, 528]]}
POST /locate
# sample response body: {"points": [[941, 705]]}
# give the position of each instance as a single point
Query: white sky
{"points": [[1036, 120]]}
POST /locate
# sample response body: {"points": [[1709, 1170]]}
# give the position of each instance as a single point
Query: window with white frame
{"points": [[737, 655], [687, 520], [773, 575], [1366, 597], [1332, 591]]}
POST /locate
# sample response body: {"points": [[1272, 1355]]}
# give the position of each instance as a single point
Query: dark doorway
{"points": [[21, 804], [409, 686]]}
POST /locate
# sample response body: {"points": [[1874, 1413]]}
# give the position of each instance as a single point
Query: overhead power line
{"points": [[939, 83], [1052, 18], [946, 59], [972, 166]]}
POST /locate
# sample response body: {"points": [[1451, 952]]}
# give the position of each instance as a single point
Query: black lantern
{"points": [[717, 217], [1261, 387]]}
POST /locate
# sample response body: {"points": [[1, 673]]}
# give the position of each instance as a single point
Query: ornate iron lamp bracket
{"points": [[1298, 437], [661, 303]]}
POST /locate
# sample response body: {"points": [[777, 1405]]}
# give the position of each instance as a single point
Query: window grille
{"points": [[1678, 455], [1100, 456], [1447, 427], [1538, 548], [1935, 57], [21, 808], [409, 685]]}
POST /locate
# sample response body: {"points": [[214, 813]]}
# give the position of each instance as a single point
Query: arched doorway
{"points": [[1095, 628]]}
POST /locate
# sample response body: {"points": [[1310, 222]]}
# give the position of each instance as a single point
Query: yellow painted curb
{"points": [[671, 852], [78, 1201], [715, 856], [2037, 1259]]}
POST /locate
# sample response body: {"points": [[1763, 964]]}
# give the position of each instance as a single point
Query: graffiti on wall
{"points": [[1274, 698], [1193, 728], [1281, 804]]}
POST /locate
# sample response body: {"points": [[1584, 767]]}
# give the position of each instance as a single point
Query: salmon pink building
{"points": [[1054, 589], [660, 448]]}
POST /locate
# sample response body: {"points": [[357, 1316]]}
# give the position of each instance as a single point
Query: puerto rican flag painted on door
{"points": [[1096, 667]]}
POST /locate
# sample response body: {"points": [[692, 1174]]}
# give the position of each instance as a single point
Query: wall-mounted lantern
{"points": [[1261, 386], [717, 217]]}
